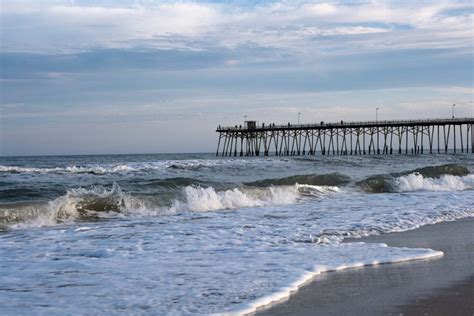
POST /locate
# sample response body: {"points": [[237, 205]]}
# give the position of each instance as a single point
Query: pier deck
{"points": [[347, 138]]}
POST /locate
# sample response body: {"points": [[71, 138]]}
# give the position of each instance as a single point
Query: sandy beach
{"points": [[443, 286]]}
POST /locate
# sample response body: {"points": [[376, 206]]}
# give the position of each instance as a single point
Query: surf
{"points": [[449, 177]]}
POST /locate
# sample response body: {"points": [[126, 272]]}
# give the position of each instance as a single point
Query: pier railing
{"points": [[347, 138], [342, 124]]}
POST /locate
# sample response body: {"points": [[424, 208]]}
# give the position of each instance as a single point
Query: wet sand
{"points": [[442, 286], [456, 300]]}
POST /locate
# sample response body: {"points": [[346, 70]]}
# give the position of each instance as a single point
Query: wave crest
{"points": [[438, 171], [450, 177], [208, 199], [99, 203], [417, 182], [76, 204]]}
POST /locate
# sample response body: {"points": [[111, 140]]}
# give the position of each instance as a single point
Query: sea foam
{"points": [[376, 254], [417, 182]]}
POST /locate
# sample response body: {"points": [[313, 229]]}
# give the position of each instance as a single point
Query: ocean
{"points": [[197, 234]]}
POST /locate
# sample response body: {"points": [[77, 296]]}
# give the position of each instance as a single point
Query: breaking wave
{"points": [[449, 177], [76, 204], [99, 203], [416, 182], [208, 199]]}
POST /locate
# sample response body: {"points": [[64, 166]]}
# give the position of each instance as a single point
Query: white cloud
{"points": [[323, 9], [58, 26], [71, 27]]}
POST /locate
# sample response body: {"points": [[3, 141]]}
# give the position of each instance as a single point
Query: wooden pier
{"points": [[348, 138]]}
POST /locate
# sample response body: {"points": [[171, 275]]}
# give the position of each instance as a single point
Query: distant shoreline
{"points": [[437, 285]]}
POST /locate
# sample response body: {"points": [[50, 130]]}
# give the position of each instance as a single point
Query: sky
{"points": [[98, 77]]}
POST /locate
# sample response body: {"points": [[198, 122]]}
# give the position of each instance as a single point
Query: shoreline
{"points": [[397, 288]]}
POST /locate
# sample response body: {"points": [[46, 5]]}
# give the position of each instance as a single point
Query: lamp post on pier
{"points": [[299, 114], [452, 112], [376, 115]]}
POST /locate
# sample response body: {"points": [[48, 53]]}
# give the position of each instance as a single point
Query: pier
{"points": [[348, 138]]}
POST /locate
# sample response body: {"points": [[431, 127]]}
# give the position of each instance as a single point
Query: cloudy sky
{"points": [[147, 76]]}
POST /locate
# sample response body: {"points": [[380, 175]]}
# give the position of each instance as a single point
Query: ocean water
{"points": [[195, 234]]}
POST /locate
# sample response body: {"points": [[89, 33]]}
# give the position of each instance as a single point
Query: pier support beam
{"points": [[218, 144], [472, 138]]}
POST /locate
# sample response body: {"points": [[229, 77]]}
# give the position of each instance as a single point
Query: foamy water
{"points": [[416, 182], [198, 235]]}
